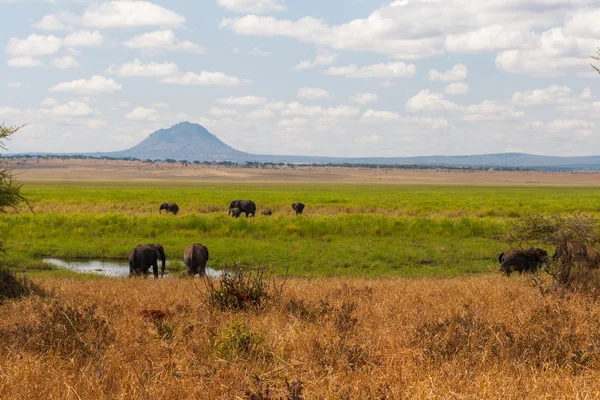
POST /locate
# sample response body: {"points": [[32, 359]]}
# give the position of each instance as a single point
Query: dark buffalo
{"points": [[246, 206], [522, 260], [298, 207], [170, 207], [142, 257]]}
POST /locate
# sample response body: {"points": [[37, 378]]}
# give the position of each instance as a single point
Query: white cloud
{"points": [[205, 78], [370, 139], [5, 111], [65, 62], [296, 108], [457, 73], [342, 112], [14, 84], [389, 70], [96, 123], [49, 101], [142, 114], [33, 45], [494, 37], [128, 14], [364, 98], [260, 114], [277, 106], [242, 101], [569, 124], [295, 123], [324, 57], [257, 51], [491, 111], [161, 40], [457, 89], [549, 95], [96, 85], [50, 23], [426, 100], [554, 54], [138, 68], [84, 39], [253, 6], [24, 61], [313, 93], [377, 116], [222, 112], [72, 109]]}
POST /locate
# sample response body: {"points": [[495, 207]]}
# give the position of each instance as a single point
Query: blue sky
{"points": [[337, 77]]}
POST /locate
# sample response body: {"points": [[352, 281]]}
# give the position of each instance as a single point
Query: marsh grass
{"points": [[479, 337]]}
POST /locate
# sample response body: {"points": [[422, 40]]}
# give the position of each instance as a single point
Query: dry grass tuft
{"points": [[485, 337]]}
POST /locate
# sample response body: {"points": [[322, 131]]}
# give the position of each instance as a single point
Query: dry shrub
{"points": [[13, 287], [549, 339], [575, 239], [238, 290], [65, 331], [262, 390], [238, 341], [164, 329]]}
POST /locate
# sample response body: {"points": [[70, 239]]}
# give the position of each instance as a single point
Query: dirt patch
{"points": [[108, 170]]}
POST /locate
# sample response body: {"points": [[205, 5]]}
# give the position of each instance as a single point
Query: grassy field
{"points": [[484, 337], [347, 324], [356, 230]]}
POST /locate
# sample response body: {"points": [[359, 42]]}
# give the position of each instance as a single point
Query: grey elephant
{"points": [[170, 207], [522, 260], [246, 206], [235, 212], [142, 257], [267, 212], [298, 207], [195, 257]]}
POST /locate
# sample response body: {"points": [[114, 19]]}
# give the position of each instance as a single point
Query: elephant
{"points": [[298, 207], [195, 257], [142, 257], [246, 206], [267, 212], [170, 207], [235, 212], [522, 260], [578, 253]]}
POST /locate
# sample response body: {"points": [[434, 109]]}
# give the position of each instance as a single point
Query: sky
{"points": [[347, 78]]}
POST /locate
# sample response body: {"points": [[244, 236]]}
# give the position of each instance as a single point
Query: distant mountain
{"points": [[184, 141], [192, 142]]}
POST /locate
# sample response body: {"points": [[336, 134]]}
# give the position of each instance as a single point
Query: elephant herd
{"points": [[195, 256], [519, 260], [142, 257], [236, 208]]}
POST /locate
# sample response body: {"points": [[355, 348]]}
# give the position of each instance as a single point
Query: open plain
{"points": [[391, 286]]}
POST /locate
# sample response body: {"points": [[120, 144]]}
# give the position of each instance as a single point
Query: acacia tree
{"points": [[597, 58], [10, 189]]}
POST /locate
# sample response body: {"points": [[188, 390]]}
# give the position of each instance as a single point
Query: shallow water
{"points": [[114, 268]]}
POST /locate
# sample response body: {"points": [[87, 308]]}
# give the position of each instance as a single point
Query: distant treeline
{"points": [[256, 164]]}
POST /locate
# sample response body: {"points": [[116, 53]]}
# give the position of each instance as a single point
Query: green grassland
{"points": [[347, 229]]}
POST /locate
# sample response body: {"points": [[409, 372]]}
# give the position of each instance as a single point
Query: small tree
{"points": [[10, 189], [575, 241], [597, 58]]}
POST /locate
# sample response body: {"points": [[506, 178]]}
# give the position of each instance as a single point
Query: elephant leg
{"points": [[155, 269]]}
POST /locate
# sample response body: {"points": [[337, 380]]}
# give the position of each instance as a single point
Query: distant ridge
{"points": [[192, 142]]}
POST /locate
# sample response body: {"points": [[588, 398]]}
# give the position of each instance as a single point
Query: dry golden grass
{"points": [[481, 338]]}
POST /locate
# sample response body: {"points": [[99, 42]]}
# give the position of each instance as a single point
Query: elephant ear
{"points": [[205, 249]]}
